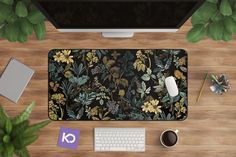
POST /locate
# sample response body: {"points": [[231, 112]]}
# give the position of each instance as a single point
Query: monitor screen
{"points": [[114, 14]]}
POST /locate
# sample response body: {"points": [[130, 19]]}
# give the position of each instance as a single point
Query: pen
{"points": [[203, 85]]}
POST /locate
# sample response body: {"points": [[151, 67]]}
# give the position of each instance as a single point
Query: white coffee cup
{"points": [[169, 138]]}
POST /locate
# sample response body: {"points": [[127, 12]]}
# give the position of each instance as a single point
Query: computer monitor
{"points": [[118, 18]]}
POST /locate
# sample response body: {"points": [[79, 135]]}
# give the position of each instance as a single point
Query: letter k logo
{"points": [[68, 138]]}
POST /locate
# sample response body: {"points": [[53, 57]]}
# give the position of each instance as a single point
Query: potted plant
{"points": [[16, 133], [19, 19], [215, 19]]}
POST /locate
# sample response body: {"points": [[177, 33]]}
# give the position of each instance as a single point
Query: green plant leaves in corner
{"points": [[40, 30], [197, 33], [5, 11], [3, 117], [9, 151], [8, 126], [25, 26], [16, 134], [225, 8], [227, 36], [234, 15], [216, 30], [35, 17], [33, 128], [205, 12], [230, 25], [212, 1], [12, 31], [24, 115], [21, 9], [9, 2], [219, 19], [12, 17], [22, 152], [22, 38]]}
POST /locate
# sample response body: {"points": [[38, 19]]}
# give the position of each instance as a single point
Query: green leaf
{"points": [[215, 30], [28, 140], [12, 18], [165, 99], [5, 12], [234, 16], [230, 25], [30, 130], [22, 152], [227, 36], [225, 8], [32, 7], [9, 151], [22, 38], [8, 126], [19, 128], [9, 2], [21, 9], [79, 81], [25, 26], [146, 77], [40, 30], [12, 31], [27, 2], [196, 33], [36, 17], [6, 139], [22, 141], [24, 115], [217, 17], [2, 35], [204, 13], [212, 1], [3, 116], [1, 149], [2, 132]]}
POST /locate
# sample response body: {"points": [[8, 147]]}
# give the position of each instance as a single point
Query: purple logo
{"points": [[68, 138]]}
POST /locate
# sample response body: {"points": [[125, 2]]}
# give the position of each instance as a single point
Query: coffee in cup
{"points": [[169, 138]]}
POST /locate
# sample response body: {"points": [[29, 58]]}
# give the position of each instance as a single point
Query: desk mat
{"points": [[116, 84]]}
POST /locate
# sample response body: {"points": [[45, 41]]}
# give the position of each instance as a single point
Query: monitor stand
{"points": [[118, 34]]}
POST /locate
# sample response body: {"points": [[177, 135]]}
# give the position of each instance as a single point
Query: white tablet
{"points": [[14, 79]]}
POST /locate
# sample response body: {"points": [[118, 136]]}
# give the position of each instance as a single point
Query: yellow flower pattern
{"points": [[139, 63], [91, 58], [63, 57], [59, 98], [152, 107], [66, 57], [58, 57]]}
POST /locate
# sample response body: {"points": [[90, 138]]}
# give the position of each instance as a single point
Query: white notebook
{"points": [[14, 79]]}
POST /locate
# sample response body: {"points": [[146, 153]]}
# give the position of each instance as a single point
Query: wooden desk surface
{"points": [[209, 131]]}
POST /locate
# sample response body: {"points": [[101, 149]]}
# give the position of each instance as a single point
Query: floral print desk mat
{"points": [[116, 84]]}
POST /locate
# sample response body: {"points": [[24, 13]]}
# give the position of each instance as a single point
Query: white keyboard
{"points": [[119, 139]]}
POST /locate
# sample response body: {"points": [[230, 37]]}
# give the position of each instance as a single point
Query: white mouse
{"points": [[171, 86]]}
